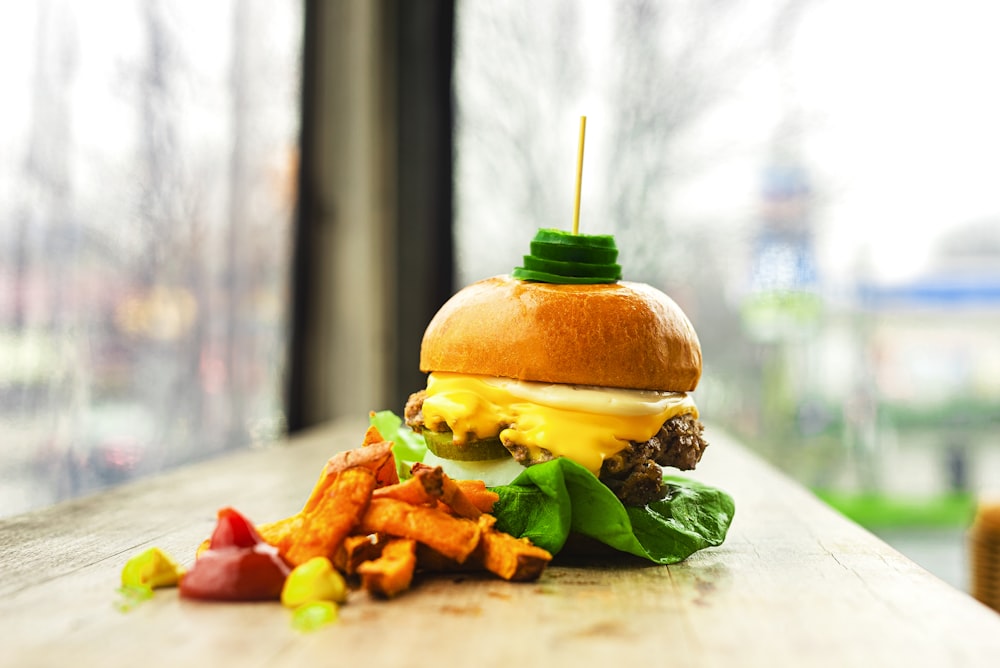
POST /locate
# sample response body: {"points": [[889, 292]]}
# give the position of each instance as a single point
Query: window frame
{"points": [[374, 255]]}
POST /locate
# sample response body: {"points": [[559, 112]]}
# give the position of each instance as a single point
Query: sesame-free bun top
{"points": [[627, 335]]}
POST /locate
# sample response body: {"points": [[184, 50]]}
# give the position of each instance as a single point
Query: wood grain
{"points": [[794, 584]]}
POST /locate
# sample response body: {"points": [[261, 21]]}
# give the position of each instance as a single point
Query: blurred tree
{"points": [[673, 64], [45, 215], [650, 71]]}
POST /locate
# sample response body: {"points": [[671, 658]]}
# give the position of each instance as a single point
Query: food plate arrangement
{"points": [[556, 397]]}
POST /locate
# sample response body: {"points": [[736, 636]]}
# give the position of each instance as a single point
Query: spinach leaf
{"points": [[548, 501]]}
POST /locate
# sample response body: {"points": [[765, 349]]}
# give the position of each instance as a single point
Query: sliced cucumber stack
{"points": [[563, 257]]}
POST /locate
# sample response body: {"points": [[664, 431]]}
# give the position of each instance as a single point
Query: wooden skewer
{"points": [[579, 176]]}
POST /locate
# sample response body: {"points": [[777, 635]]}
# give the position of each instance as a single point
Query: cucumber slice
{"points": [[443, 445], [568, 253], [562, 257], [523, 274], [568, 238], [576, 269]]}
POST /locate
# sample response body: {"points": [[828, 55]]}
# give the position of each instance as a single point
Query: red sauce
{"points": [[237, 566]]}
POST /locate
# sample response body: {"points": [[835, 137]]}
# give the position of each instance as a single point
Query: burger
{"points": [[523, 371], [568, 391]]}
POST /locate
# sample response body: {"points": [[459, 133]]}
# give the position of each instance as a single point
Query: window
{"points": [[148, 162], [814, 182]]}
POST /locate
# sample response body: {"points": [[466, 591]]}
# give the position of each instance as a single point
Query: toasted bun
{"points": [[627, 335]]}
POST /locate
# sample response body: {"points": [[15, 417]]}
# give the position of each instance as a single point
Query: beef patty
{"points": [[634, 473]]}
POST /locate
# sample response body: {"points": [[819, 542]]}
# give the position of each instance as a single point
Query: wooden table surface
{"points": [[795, 584]]}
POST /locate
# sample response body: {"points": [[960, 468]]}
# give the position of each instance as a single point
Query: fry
{"points": [[478, 494], [450, 492], [456, 499], [423, 489], [511, 558], [378, 460], [429, 559], [372, 457], [319, 490], [372, 437], [356, 550], [392, 572], [499, 553], [386, 473], [454, 537], [335, 516], [281, 534]]}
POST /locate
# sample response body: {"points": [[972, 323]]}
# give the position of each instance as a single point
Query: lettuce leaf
{"points": [[408, 447], [548, 501]]}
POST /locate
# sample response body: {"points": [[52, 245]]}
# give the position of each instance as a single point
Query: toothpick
{"points": [[579, 176]]}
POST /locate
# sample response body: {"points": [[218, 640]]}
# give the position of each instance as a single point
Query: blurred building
{"points": [[893, 388], [783, 300], [933, 343]]}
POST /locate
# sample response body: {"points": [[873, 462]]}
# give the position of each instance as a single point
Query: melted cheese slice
{"points": [[586, 424]]}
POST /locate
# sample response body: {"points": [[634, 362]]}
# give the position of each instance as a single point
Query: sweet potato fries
{"points": [[382, 530]]}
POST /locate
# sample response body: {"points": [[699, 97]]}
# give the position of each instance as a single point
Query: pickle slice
{"points": [[442, 444]]}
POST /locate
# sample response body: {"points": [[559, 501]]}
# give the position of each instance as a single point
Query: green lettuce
{"points": [[408, 447], [548, 501]]}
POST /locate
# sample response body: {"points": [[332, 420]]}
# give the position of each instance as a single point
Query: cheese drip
{"points": [[586, 424]]}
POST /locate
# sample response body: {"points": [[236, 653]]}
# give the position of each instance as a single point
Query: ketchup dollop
{"points": [[237, 566]]}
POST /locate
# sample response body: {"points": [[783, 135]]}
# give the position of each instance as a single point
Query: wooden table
{"points": [[795, 584]]}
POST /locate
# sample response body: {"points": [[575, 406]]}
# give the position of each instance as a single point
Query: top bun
{"points": [[627, 335]]}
